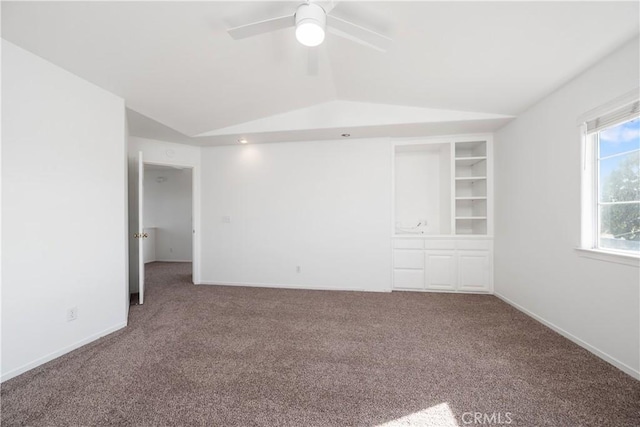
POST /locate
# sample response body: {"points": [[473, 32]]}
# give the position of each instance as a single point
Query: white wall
{"points": [[537, 183], [165, 153], [324, 206], [63, 219], [167, 208]]}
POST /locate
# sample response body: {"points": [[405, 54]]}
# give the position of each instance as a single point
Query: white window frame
{"points": [[589, 166]]}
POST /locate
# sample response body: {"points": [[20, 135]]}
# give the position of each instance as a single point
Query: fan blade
{"points": [[358, 34], [262, 27], [312, 64]]}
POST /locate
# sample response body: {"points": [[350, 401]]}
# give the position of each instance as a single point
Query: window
{"points": [[611, 182]]}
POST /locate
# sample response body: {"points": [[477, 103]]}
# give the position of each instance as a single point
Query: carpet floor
{"points": [[235, 356]]}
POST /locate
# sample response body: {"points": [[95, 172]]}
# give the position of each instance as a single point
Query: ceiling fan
{"points": [[311, 20]]}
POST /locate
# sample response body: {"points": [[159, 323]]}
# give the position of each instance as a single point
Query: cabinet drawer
{"points": [[408, 243], [408, 279], [440, 244], [408, 258], [474, 245]]}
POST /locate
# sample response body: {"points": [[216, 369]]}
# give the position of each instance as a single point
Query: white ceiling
{"points": [[182, 75]]}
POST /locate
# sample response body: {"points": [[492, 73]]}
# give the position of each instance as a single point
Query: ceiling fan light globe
{"points": [[309, 33], [310, 23]]}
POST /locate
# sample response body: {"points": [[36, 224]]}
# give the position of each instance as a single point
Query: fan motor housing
{"points": [[309, 12]]}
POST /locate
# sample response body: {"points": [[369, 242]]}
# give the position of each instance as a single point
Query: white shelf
{"points": [[472, 198], [469, 161], [471, 217], [470, 178]]}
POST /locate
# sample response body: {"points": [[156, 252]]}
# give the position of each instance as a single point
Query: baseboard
{"points": [[601, 354], [171, 260], [24, 368], [442, 291], [278, 286]]}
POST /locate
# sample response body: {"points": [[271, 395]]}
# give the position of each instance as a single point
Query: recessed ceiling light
{"points": [[242, 141], [346, 135]]}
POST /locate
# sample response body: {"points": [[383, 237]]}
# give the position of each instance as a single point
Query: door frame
{"points": [[195, 211]]}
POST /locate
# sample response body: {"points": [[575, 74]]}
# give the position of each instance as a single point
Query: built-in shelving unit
{"points": [[442, 215], [470, 159]]}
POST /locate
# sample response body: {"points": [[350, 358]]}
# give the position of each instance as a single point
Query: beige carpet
{"points": [[225, 356]]}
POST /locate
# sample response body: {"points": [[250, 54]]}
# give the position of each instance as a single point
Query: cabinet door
{"points": [[473, 271], [440, 269]]}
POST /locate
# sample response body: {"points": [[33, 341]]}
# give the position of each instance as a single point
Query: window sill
{"points": [[618, 258]]}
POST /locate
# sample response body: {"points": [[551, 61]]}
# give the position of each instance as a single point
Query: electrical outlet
{"points": [[72, 314], [298, 269], [226, 219], [171, 250]]}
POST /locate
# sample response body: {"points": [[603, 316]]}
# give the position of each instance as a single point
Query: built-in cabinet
{"points": [[442, 225], [449, 265]]}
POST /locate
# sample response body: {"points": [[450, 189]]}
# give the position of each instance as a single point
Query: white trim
{"points": [[291, 286], [127, 295], [618, 258], [392, 207], [443, 291], [140, 230], [419, 140], [44, 359], [170, 260], [587, 190], [443, 236], [601, 354], [490, 200]]}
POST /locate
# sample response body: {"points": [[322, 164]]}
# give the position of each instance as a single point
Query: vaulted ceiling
{"points": [[452, 66]]}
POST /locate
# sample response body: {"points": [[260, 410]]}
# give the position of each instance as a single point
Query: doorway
{"points": [[164, 220], [168, 216]]}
